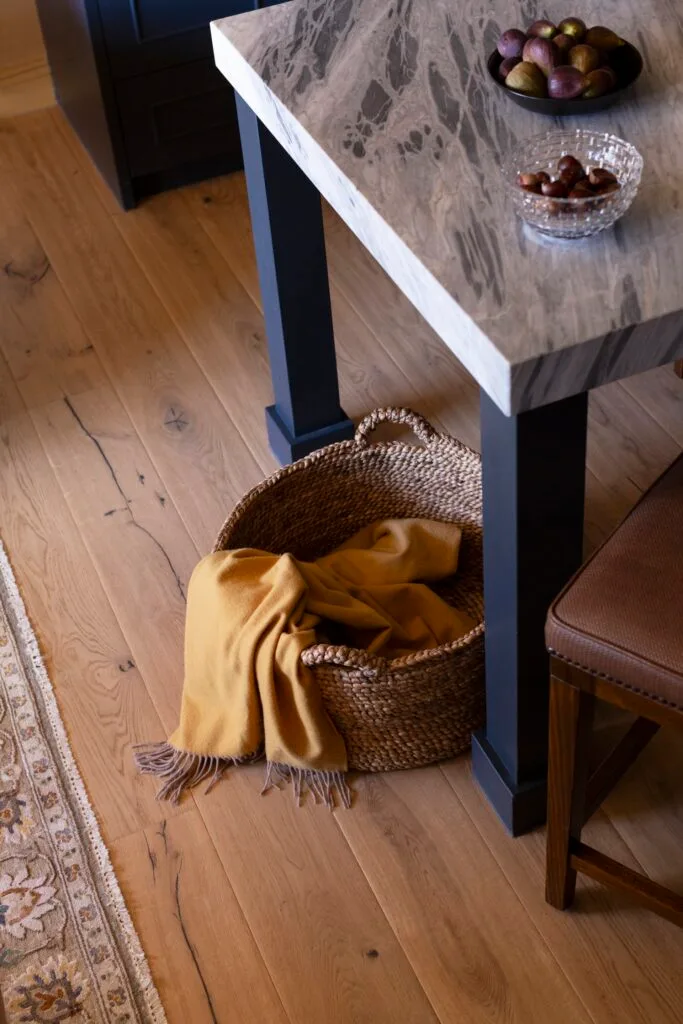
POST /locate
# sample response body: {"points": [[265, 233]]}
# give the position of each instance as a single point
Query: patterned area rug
{"points": [[68, 949]]}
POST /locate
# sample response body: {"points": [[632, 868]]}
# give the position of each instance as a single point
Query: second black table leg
{"points": [[286, 219], [534, 467]]}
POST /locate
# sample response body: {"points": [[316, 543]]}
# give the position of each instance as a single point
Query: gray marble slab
{"points": [[387, 107]]}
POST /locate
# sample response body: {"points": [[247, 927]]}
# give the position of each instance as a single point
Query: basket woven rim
{"points": [[350, 657], [373, 664], [351, 446]]}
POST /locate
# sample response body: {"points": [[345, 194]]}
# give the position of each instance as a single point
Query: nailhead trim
{"points": [[619, 682]]}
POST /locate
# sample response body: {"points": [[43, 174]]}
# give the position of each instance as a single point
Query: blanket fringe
{"points": [[179, 770], [323, 785]]}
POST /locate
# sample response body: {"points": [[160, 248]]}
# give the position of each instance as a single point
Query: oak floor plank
{"points": [[196, 446], [221, 208], [646, 809], [615, 954], [25, 86], [432, 874], [212, 311], [25, 82], [660, 391], [98, 685], [330, 951], [108, 479], [202, 954], [367, 378], [447, 391], [20, 37], [135, 536], [43, 340], [625, 442]]}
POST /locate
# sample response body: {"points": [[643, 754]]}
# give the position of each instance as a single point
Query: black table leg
{"points": [[286, 219], [534, 468]]}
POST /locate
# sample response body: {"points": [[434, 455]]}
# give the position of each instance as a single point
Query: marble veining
{"points": [[387, 107]]}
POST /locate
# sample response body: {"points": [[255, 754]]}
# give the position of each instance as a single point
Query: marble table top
{"points": [[387, 107]]}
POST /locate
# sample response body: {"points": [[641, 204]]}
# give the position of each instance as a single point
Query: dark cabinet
{"points": [[145, 35], [137, 81]]}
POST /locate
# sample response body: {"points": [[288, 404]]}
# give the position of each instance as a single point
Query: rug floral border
{"points": [[75, 947]]}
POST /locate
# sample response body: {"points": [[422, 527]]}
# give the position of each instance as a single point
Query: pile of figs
{"points": [[568, 61]]}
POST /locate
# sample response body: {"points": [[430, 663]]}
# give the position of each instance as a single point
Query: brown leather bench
{"points": [[616, 634]]}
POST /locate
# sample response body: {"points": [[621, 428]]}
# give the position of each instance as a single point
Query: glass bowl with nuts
{"points": [[572, 183]]}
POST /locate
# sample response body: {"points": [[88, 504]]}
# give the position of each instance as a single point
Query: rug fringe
{"points": [[179, 770], [323, 785]]}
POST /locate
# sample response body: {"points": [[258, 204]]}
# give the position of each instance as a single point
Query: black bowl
{"points": [[626, 62]]}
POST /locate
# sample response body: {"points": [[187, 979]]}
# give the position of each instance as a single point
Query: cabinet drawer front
{"points": [[178, 115], [146, 35]]}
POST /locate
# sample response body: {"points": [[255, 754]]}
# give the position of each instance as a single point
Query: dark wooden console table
{"points": [[137, 81]]}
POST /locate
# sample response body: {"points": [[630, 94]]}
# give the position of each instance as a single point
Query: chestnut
{"points": [[554, 189], [570, 176], [611, 186], [581, 191], [529, 182], [566, 163], [598, 176]]}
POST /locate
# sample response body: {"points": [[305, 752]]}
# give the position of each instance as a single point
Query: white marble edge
{"points": [[453, 325]]}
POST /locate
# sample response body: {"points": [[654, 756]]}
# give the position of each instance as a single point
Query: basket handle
{"points": [[418, 424]]}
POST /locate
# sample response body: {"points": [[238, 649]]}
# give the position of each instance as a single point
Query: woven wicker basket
{"points": [[414, 710]]}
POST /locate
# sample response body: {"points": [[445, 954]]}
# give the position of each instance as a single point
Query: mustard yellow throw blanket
{"points": [[250, 614]]}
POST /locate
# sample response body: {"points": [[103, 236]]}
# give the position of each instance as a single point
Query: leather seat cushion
{"points": [[621, 615]]}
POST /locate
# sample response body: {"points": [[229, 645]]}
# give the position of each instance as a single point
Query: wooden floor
{"points": [[24, 74], [133, 376]]}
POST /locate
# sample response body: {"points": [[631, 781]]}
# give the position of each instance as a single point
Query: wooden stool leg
{"points": [[571, 720]]}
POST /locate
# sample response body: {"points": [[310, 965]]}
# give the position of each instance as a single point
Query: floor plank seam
{"points": [[181, 334], [541, 936]]}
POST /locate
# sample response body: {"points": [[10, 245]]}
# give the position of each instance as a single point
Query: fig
{"points": [[573, 27], [543, 29], [527, 78], [599, 82], [511, 43], [603, 38], [564, 43], [565, 83], [555, 189], [506, 66], [542, 53], [585, 58], [599, 176]]}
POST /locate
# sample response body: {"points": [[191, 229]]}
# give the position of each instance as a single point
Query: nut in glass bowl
{"points": [[572, 218]]}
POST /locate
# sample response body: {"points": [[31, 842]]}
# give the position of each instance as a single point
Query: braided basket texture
{"points": [[409, 711]]}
